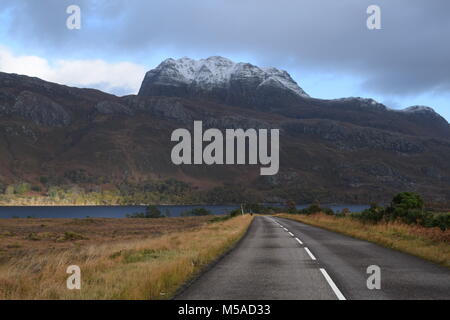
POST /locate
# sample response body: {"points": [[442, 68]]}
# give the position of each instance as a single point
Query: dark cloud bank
{"points": [[410, 55]]}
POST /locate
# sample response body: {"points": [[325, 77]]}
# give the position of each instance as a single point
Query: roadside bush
{"points": [[407, 200], [314, 208], [406, 207], [374, 214], [441, 221], [371, 215], [416, 216]]}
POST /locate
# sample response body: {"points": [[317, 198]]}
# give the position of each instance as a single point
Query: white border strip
{"points": [[333, 286]]}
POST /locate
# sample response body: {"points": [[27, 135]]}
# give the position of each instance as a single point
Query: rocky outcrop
{"points": [[355, 138], [111, 107], [163, 107], [40, 109]]}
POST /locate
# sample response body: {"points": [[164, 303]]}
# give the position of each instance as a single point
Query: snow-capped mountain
{"points": [[244, 84], [218, 77]]}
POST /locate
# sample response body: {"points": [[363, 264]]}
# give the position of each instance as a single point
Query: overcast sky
{"points": [[324, 44]]}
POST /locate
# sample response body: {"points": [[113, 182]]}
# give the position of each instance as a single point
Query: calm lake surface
{"points": [[122, 211]]}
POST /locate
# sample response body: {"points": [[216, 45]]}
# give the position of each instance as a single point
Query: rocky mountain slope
{"points": [[344, 150]]}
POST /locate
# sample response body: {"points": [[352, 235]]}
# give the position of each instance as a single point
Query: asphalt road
{"points": [[284, 259]]}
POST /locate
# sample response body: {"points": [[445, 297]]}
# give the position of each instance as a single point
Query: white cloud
{"points": [[119, 78]]}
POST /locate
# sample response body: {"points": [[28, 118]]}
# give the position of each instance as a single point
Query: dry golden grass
{"points": [[21, 235], [141, 268], [428, 243]]}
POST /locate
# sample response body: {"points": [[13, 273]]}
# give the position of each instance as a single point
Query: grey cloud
{"points": [[411, 55]]}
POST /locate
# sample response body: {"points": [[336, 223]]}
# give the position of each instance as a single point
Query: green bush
{"points": [[404, 206], [374, 214], [407, 200], [408, 208], [416, 216], [441, 221]]}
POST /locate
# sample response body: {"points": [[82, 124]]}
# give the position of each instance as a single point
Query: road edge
{"points": [[210, 265]]}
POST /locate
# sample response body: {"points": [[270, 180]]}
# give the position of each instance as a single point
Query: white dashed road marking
{"points": [[333, 286], [310, 254], [330, 281]]}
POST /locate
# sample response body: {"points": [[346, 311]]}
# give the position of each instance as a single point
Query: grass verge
{"points": [[427, 243], [152, 268]]}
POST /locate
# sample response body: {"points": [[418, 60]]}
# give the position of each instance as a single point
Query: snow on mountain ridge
{"points": [[422, 109], [218, 71]]}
